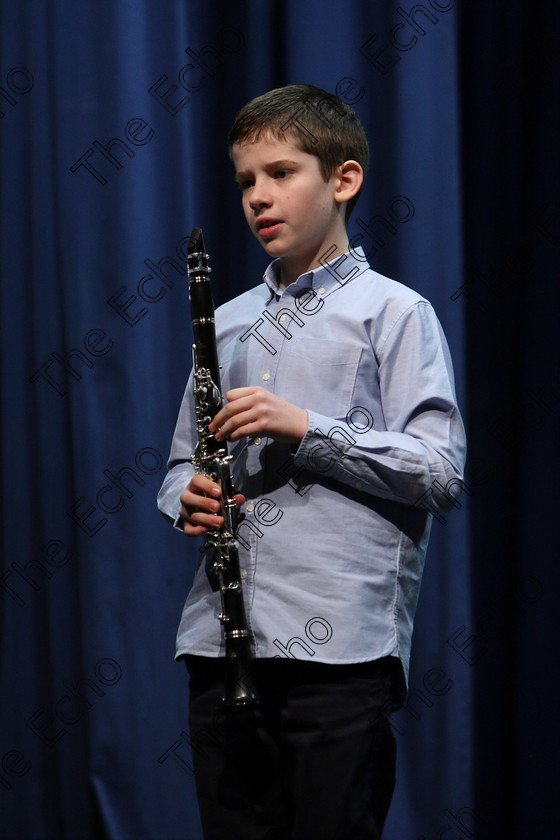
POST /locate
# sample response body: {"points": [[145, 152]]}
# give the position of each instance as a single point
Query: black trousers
{"points": [[308, 764]]}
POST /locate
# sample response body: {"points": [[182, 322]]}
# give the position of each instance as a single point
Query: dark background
{"points": [[463, 123]]}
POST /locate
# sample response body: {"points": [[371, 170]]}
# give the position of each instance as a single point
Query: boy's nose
{"points": [[260, 196]]}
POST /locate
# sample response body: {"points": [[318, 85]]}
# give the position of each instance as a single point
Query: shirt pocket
{"points": [[319, 375]]}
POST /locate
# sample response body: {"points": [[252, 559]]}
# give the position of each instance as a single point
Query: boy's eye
{"points": [[247, 183]]}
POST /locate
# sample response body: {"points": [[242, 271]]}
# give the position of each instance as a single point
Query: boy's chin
{"points": [[274, 249]]}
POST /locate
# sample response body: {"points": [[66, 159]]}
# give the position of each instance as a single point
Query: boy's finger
{"points": [[205, 485], [208, 520]]}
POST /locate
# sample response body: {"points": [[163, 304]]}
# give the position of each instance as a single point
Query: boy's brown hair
{"points": [[319, 122]]}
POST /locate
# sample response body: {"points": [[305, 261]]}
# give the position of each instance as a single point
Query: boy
{"points": [[340, 415]]}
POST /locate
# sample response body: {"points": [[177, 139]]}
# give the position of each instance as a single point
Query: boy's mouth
{"points": [[268, 227]]}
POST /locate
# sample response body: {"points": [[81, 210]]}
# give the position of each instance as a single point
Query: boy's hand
{"points": [[255, 411], [199, 503]]}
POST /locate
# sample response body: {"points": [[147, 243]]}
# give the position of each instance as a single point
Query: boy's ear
{"points": [[350, 177]]}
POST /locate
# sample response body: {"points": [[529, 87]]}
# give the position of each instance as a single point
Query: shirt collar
{"points": [[324, 279]]}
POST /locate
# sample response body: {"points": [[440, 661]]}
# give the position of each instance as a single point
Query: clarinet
{"points": [[220, 549]]}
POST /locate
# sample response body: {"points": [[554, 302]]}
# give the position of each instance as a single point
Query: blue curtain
{"points": [[113, 119]]}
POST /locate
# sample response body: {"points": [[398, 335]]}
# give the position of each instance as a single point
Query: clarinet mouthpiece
{"points": [[196, 242]]}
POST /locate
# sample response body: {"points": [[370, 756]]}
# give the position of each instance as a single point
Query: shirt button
{"points": [[243, 575], [257, 441], [321, 291], [266, 376], [250, 507]]}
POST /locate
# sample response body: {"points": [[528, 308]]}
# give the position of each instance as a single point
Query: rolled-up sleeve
{"points": [[179, 467], [420, 447]]}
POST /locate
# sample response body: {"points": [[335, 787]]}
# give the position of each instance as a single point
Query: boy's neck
{"points": [[291, 269]]}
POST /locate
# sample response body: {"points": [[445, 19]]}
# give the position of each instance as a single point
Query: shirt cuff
{"points": [[314, 453]]}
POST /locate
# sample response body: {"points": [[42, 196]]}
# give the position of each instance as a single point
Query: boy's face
{"points": [[288, 205]]}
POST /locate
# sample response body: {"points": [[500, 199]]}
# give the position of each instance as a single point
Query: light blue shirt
{"points": [[335, 533]]}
